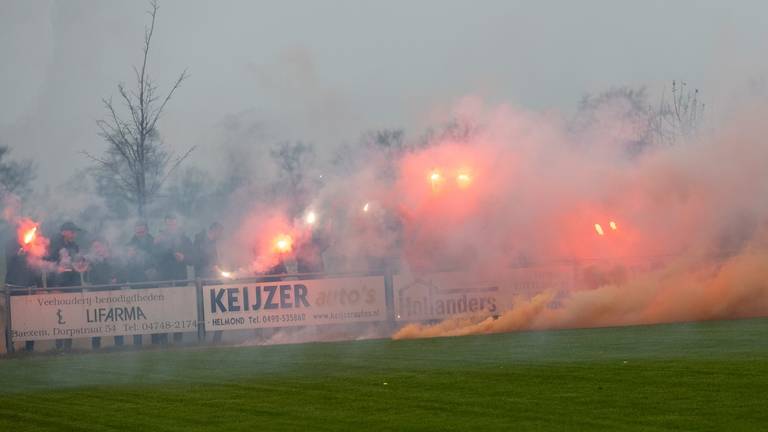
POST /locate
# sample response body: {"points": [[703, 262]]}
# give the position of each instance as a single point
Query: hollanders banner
{"points": [[103, 313], [441, 295], [294, 303]]}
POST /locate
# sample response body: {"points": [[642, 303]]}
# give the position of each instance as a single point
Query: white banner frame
{"points": [[117, 312], [291, 303]]}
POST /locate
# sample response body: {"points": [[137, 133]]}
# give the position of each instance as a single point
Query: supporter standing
{"points": [[63, 253], [141, 253], [309, 253], [140, 265], [18, 272], [207, 257], [101, 271], [207, 251], [174, 252]]}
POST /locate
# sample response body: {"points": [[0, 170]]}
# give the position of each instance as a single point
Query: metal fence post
{"points": [[8, 330], [200, 310]]}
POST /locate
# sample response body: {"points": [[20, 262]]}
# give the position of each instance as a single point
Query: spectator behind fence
{"points": [[309, 253], [207, 257], [173, 251], [207, 252], [140, 265], [17, 269], [19, 272], [101, 271], [64, 253]]}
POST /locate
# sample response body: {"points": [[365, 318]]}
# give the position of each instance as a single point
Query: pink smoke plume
{"points": [[538, 195]]}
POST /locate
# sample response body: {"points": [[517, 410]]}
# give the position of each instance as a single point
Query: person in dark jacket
{"points": [[207, 252], [17, 269], [64, 253], [173, 251], [101, 271], [207, 258], [140, 263], [18, 272], [309, 254], [140, 266], [277, 269]]}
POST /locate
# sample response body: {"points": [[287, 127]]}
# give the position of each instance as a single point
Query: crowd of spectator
{"points": [[149, 259]]}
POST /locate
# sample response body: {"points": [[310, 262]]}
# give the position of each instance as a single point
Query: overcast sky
{"points": [[327, 70]]}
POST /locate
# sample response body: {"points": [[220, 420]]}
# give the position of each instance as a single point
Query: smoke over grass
{"points": [[656, 230], [694, 213]]}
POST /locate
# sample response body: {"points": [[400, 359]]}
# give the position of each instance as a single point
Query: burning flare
{"points": [[310, 218], [435, 178], [599, 229], [29, 236], [463, 180], [613, 225], [283, 243]]}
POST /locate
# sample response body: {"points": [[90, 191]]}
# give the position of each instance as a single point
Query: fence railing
{"points": [[272, 301], [53, 313]]}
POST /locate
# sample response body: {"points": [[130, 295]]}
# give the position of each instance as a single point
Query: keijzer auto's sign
{"points": [[103, 313], [442, 295], [294, 303]]}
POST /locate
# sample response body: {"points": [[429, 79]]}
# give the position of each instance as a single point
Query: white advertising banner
{"points": [[442, 295], [294, 303], [103, 313]]}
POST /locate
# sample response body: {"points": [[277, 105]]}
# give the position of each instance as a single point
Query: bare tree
{"points": [[457, 130], [294, 161], [137, 163], [679, 119], [625, 111], [188, 192], [15, 176], [642, 124]]}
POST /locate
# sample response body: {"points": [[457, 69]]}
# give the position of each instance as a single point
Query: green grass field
{"points": [[695, 376]]}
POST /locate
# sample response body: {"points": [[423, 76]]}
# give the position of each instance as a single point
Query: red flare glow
{"points": [[29, 236], [283, 243], [29, 239], [599, 229], [435, 178], [463, 180]]}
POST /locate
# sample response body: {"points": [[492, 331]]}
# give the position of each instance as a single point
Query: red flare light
{"points": [[435, 179], [463, 180], [599, 229], [283, 243], [29, 238]]}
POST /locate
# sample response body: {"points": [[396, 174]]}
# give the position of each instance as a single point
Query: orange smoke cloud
{"points": [[689, 290]]}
